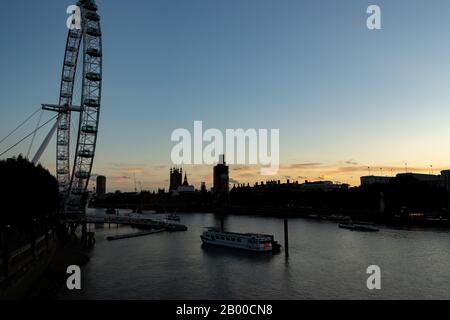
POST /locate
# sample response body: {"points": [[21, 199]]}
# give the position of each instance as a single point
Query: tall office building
{"points": [[221, 180], [101, 185]]}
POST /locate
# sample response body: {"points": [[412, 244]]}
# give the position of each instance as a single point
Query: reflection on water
{"points": [[325, 263], [237, 254]]}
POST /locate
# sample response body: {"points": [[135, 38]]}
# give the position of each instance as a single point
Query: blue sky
{"points": [[343, 97]]}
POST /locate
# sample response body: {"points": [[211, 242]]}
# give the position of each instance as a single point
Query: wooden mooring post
{"points": [[286, 237], [222, 223]]}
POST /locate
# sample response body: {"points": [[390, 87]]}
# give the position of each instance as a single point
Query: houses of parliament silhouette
{"points": [[176, 176], [221, 180]]}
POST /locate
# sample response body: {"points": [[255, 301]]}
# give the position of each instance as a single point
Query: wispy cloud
{"points": [[234, 181], [305, 165], [351, 162]]}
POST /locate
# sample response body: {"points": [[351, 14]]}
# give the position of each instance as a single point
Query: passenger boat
{"points": [[112, 211], [137, 210], [359, 226], [173, 217], [246, 241]]}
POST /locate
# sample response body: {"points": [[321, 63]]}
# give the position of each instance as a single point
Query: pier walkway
{"points": [[140, 222]]}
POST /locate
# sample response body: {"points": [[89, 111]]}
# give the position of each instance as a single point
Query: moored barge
{"points": [[245, 241]]}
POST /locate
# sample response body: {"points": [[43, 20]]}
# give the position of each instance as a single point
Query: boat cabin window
{"points": [[228, 238], [222, 238], [239, 240]]}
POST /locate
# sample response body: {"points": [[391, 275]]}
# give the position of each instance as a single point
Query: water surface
{"points": [[325, 263]]}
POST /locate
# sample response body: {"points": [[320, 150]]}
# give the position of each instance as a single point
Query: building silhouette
{"points": [[221, 186], [176, 178], [185, 187], [288, 186], [446, 179], [369, 180], [429, 179], [203, 188], [432, 180], [101, 186]]}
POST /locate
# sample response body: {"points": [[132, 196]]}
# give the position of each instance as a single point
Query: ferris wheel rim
{"points": [[73, 182]]}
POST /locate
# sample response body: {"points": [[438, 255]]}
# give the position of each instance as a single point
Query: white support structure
{"points": [[46, 142]]}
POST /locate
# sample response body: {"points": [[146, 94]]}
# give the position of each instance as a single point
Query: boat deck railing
{"points": [[256, 235]]}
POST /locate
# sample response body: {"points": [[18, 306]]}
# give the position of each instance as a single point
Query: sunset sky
{"points": [[344, 97]]}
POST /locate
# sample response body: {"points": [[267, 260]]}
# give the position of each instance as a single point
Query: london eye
{"points": [[76, 144], [84, 42]]}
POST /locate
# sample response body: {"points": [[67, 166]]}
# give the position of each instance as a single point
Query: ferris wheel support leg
{"points": [[47, 140]]}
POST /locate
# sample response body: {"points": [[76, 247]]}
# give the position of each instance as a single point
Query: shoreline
{"points": [[53, 279], [323, 215]]}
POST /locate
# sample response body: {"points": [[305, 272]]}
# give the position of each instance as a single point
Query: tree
{"points": [[28, 192]]}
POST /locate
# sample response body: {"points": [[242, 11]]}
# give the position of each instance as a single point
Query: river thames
{"points": [[325, 263]]}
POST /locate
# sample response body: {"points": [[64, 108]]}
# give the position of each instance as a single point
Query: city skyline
{"points": [[344, 98], [198, 151], [139, 185]]}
